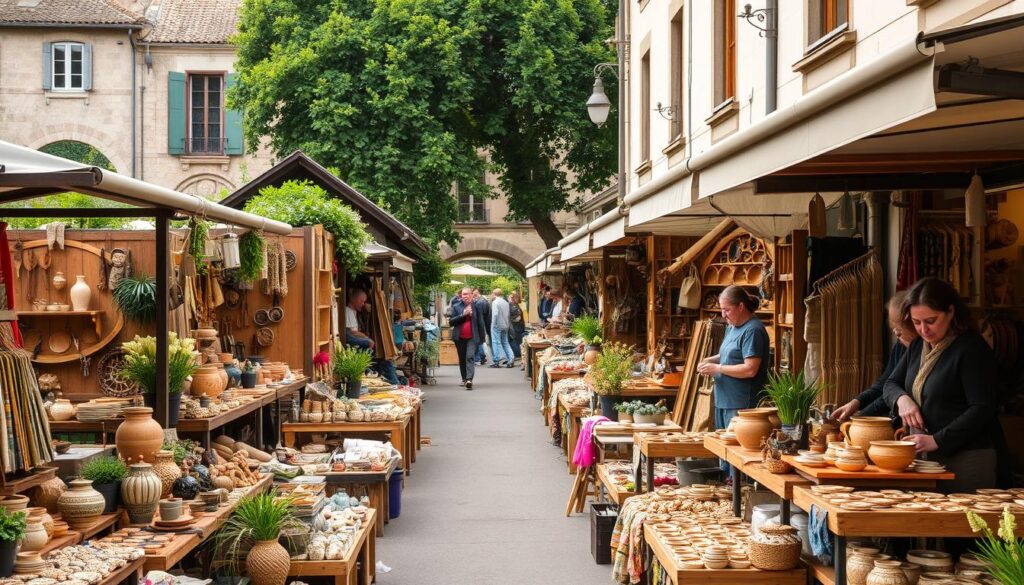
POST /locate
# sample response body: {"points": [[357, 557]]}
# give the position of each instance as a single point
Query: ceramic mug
{"points": [[170, 509]]}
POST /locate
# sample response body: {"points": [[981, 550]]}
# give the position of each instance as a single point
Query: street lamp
{"points": [[598, 106]]}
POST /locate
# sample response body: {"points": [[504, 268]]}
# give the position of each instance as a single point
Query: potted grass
{"points": [[12, 529], [252, 532], [348, 364], [612, 368], [140, 368], [106, 474], [793, 397], [588, 327], [135, 298]]}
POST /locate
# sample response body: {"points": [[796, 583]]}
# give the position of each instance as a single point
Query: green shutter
{"points": [[233, 125], [175, 112]]}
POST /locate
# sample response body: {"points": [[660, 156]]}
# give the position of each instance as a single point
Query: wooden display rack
{"points": [[376, 485], [790, 283], [400, 431], [358, 566], [616, 493], [869, 476], [654, 446], [11, 484]]}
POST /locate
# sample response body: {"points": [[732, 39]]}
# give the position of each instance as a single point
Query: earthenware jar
{"points": [[590, 356], [222, 375], [887, 573], [751, 427], [892, 456], [166, 470], [139, 437], [43, 516], [206, 382], [48, 492], [170, 509], [60, 281], [17, 502], [141, 492], [858, 566], [912, 572], [81, 505], [268, 563], [62, 410], [861, 430], [80, 294], [35, 536], [211, 499]]}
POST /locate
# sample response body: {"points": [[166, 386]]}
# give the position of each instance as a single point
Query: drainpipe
{"points": [[771, 54], [620, 48], [142, 118], [131, 43]]}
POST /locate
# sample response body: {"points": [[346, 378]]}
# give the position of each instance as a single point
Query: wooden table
{"points": [[572, 433], [130, 573], [204, 426], [345, 570], [780, 484], [533, 349], [552, 377], [736, 456], [376, 485], [654, 446], [870, 476], [398, 430], [616, 493], [280, 393], [679, 576]]}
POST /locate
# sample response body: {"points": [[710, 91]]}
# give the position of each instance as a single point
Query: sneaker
{"points": [[511, 364], [502, 363], [469, 384], [462, 383], [497, 365]]}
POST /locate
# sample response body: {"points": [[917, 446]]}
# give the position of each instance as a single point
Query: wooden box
{"points": [[449, 357]]}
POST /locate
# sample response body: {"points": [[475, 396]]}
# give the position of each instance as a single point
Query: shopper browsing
{"points": [[467, 318]]}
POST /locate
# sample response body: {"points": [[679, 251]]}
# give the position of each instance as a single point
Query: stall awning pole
{"points": [[162, 264]]}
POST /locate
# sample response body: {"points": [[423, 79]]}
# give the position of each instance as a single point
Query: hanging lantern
{"points": [[229, 250], [974, 203], [847, 213]]}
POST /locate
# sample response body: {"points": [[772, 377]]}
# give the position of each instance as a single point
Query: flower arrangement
{"points": [[140, 362], [1003, 551], [612, 369]]}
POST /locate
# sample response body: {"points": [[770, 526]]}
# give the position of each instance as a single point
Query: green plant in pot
{"points": [[609, 373], [251, 534], [793, 396], [106, 474], [650, 413], [429, 351], [625, 410], [12, 529], [588, 327], [139, 367], [348, 363], [135, 297]]}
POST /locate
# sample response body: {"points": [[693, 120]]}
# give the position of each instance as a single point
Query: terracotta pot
{"points": [[81, 505], [222, 375], [912, 572], [625, 417], [892, 456], [226, 358], [62, 409], [206, 382], [60, 281], [141, 492], [139, 437], [204, 333], [43, 516], [887, 573], [751, 427], [48, 492], [858, 566], [590, 356], [267, 563], [773, 416], [166, 470], [861, 430], [17, 503], [35, 537]]}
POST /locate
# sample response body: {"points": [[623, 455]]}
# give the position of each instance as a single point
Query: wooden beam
{"points": [[691, 254], [163, 255]]}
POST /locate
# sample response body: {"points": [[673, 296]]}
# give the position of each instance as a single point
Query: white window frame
{"points": [[67, 46]]}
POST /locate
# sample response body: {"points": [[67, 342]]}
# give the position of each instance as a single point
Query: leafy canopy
{"points": [[408, 98]]}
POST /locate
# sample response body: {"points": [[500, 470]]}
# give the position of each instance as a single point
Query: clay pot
{"points": [[773, 416], [35, 537], [887, 573], [43, 516], [226, 358], [751, 427], [207, 382], [204, 333], [892, 456], [861, 430], [17, 503], [170, 509], [223, 482], [139, 437], [141, 492], [590, 356], [931, 561], [166, 470], [223, 375], [81, 505], [858, 566], [62, 409], [48, 492], [60, 282], [267, 563], [912, 572]]}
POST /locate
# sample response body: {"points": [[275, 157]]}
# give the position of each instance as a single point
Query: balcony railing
{"points": [[206, 145]]}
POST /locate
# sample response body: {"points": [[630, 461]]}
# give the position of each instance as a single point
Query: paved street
{"points": [[486, 502]]}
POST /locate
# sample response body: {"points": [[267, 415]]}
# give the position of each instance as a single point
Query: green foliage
{"points": [[140, 362], [105, 470], [79, 152], [429, 350], [198, 231], [431, 270], [135, 297], [645, 409], [588, 327], [614, 366], [792, 395], [250, 250], [402, 97], [349, 362], [183, 449], [301, 203], [1003, 551], [256, 518], [12, 525]]}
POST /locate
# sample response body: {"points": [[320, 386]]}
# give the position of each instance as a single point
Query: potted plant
{"points": [[140, 367], [348, 365], [588, 327], [252, 532], [12, 529], [625, 410], [612, 368], [106, 474], [429, 351], [793, 397], [650, 414], [135, 297], [1002, 553], [248, 374]]}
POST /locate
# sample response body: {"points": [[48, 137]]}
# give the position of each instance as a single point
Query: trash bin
{"points": [[395, 494], [602, 523], [691, 471]]}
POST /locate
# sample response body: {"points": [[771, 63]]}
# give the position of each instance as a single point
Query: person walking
{"points": [[501, 350], [480, 356], [467, 318], [517, 325]]}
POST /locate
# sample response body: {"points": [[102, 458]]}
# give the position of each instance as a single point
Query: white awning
{"points": [[576, 247], [399, 261]]}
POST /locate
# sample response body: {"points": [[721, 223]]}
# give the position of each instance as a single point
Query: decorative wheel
{"points": [[265, 336], [289, 260], [110, 383]]}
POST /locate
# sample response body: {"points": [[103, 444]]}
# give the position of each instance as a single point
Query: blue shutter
{"points": [[175, 112], [234, 144], [86, 66], [47, 66]]}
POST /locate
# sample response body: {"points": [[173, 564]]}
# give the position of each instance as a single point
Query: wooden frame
{"points": [[645, 108], [825, 17], [188, 111], [678, 70]]}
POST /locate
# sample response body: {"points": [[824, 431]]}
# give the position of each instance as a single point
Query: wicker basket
{"points": [[777, 465], [782, 554]]}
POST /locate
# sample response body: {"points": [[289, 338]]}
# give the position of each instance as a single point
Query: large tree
{"points": [[407, 98]]}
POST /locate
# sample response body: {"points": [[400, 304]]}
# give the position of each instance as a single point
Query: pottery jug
{"points": [[234, 374], [62, 409], [141, 492], [60, 281], [48, 492], [858, 566], [861, 430], [43, 516], [892, 456], [751, 427], [166, 470], [268, 563], [139, 437], [17, 503], [80, 294], [81, 505], [887, 573], [206, 382], [35, 537]]}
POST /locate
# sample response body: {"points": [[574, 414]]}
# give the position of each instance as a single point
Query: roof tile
{"points": [[196, 21], [57, 12]]}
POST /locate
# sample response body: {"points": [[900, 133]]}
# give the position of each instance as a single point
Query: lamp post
{"points": [[598, 106]]}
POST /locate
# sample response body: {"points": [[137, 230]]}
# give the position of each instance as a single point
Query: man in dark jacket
{"points": [[469, 322]]}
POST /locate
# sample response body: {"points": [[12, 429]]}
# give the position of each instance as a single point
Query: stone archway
{"points": [[488, 247], [79, 132]]}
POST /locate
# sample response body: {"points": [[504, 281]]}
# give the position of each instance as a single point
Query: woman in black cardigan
{"points": [[944, 387]]}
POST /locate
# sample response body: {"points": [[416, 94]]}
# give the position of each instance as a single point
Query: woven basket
{"points": [[775, 557], [777, 465]]}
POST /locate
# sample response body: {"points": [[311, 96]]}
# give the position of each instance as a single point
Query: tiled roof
{"points": [[195, 21], [57, 12]]}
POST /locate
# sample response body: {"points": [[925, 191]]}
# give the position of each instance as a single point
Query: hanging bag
{"points": [[689, 290]]}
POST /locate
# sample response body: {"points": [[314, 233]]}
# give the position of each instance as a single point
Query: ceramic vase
{"points": [[16, 502], [223, 375], [60, 281], [140, 492], [81, 505], [62, 409], [887, 573], [752, 426], [861, 430], [139, 437], [80, 294], [35, 537], [166, 470], [268, 563], [170, 509], [858, 565], [206, 382], [48, 492], [590, 357]]}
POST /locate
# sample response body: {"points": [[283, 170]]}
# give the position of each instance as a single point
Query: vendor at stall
{"points": [[574, 301], [353, 336], [740, 369], [544, 308], [944, 388], [870, 401], [557, 308]]}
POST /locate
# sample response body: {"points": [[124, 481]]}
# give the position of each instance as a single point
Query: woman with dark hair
{"points": [[944, 387]]}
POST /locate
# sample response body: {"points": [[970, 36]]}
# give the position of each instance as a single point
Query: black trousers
{"points": [[465, 348]]}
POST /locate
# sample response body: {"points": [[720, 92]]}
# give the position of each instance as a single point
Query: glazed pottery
{"points": [[887, 573], [249, 379], [81, 505], [166, 470], [892, 456], [861, 430], [80, 294], [48, 492], [17, 502], [170, 509], [912, 572], [111, 495], [267, 563], [206, 382], [185, 487], [62, 410], [60, 281], [139, 437], [35, 537], [234, 374], [752, 426], [858, 566], [141, 492], [590, 356]]}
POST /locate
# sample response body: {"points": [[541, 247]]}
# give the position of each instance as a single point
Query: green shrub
{"points": [[105, 470]]}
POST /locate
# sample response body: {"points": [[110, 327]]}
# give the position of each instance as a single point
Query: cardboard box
{"points": [[449, 356]]}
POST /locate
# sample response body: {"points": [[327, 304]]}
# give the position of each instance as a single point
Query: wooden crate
{"points": [[449, 357]]}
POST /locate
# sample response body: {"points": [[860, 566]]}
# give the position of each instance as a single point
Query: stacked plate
{"points": [[29, 563], [922, 466], [182, 522], [811, 460], [100, 409]]}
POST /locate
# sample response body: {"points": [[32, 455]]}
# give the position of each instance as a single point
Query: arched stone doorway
{"points": [[487, 247]]}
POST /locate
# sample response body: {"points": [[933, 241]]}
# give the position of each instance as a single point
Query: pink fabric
{"points": [[586, 454]]}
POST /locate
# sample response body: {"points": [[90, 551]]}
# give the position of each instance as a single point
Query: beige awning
{"points": [[611, 232], [398, 260], [576, 243]]}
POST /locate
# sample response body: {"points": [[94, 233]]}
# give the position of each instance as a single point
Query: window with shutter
{"points": [[205, 114], [233, 144], [175, 112], [65, 66]]}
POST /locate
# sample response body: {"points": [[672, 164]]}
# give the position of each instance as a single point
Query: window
{"points": [[66, 66], [826, 16], [206, 101], [471, 208], [677, 76], [645, 108], [725, 50]]}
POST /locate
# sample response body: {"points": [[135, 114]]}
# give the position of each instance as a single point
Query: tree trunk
{"points": [[546, 229]]}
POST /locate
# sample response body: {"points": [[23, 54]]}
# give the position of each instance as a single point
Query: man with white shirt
{"points": [[353, 336]]}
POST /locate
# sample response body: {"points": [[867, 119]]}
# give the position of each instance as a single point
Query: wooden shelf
{"points": [[820, 573], [323, 306], [23, 484], [97, 323], [199, 425]]}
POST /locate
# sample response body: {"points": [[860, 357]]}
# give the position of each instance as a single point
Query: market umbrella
{"points": [[467, 270], [455, 282]]}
